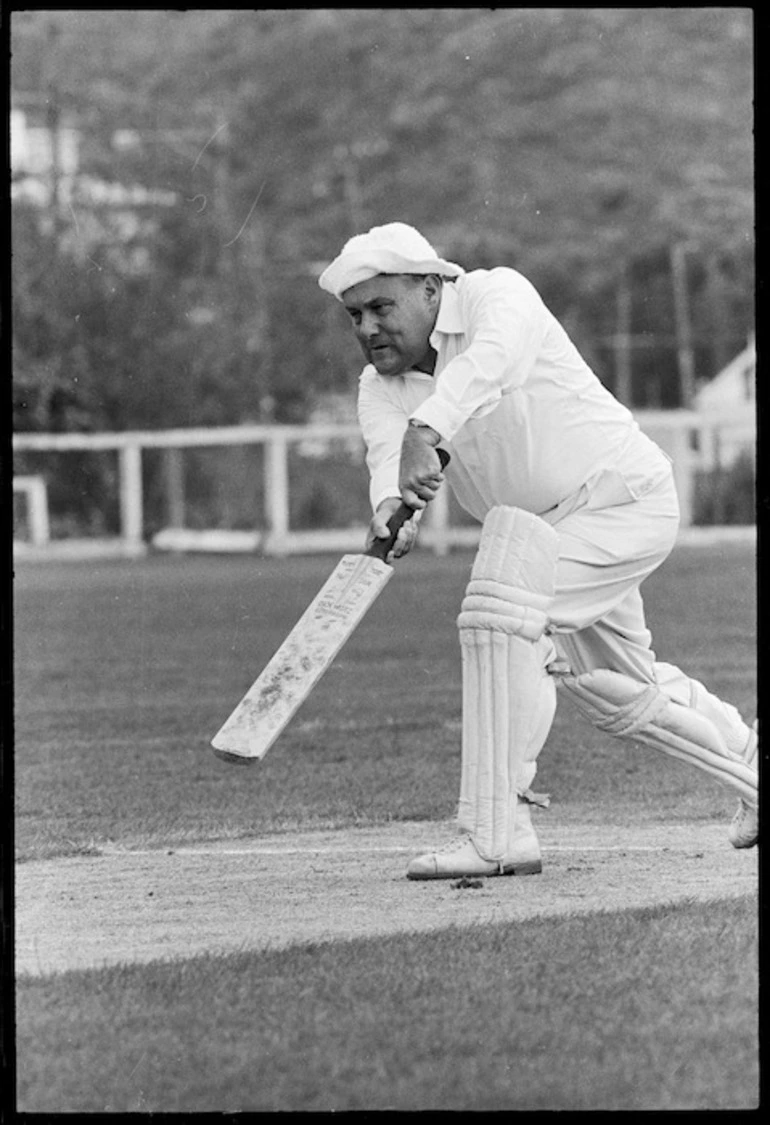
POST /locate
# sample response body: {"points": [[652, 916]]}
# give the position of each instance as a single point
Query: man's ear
{"points": [[432, 288]]}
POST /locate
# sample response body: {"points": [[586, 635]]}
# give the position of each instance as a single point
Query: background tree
{"points": [[594, 149]]}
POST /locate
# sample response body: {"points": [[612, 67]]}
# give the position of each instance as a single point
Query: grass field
{"points": [[124, 670], [639, 1010]]}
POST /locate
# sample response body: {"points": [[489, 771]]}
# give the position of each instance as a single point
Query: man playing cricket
{"points": [[577, 508]]}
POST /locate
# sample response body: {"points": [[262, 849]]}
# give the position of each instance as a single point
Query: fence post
{"points": [[276, 493], [36, 491], [40, 530], [131, 514]]}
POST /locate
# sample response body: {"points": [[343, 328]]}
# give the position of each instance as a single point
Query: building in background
{"points": [[46, 171], [726, 406], [42, 157]]}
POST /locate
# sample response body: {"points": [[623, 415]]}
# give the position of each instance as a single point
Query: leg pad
{"points": [[508, 697], [628, 709]]}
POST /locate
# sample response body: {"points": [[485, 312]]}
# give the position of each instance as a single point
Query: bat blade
{"points": [[302, 659]]}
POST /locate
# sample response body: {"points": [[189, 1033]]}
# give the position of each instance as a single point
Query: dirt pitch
{"points": [[136, 906]]}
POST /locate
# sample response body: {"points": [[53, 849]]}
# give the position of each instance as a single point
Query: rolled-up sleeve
{"points": [[383, 423], [505, 323]]}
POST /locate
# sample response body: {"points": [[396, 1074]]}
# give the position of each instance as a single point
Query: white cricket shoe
{"points": [[460, 858], [744, 827]]}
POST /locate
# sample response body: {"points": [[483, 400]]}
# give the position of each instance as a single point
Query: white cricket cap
{"points": [[392, 248]]}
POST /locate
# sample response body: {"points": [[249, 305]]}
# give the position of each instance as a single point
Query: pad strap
{"points": [[505, 609], [624, 707]]}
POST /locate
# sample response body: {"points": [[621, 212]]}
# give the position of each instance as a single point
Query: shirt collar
{"points": [[449, 320]]}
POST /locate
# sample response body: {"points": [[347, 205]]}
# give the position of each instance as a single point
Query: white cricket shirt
{"points": [[526, 420]]}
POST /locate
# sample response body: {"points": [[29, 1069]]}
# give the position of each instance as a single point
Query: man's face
{"points": [[393, 317]]}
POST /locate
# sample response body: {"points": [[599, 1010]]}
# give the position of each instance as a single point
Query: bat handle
{"points": [[381, 547]]}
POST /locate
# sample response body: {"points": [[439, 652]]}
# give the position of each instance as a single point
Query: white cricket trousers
{"points": [[610, 540]]}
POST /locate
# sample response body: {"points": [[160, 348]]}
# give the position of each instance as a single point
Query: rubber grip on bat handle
{"points": [[382, 547]]}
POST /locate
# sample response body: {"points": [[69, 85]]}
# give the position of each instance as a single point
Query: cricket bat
{"points": [[311, 646]]}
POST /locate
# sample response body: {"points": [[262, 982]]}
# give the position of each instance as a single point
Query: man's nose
{"points": [[369, 326]]}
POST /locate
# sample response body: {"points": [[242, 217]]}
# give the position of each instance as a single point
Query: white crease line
{"points": [[347, 849]]}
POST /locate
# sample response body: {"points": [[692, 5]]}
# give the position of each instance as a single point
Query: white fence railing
{"points": [[691, 440]]}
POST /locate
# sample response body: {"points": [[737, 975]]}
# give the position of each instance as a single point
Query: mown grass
{"points": [[650, 1010], [124, 671]]}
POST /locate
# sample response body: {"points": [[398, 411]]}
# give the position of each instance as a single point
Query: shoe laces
{"points": [[455, 845]]}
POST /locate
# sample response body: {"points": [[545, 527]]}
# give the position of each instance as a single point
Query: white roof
{"points": [[735, 385]]}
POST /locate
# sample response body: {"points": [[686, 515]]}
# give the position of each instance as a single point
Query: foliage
{"points": [[570, 143]]}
